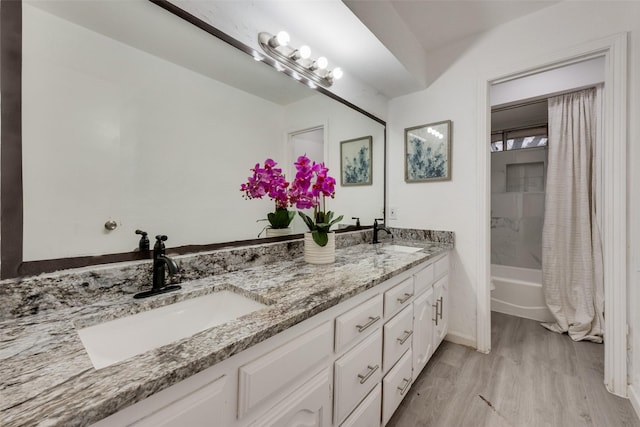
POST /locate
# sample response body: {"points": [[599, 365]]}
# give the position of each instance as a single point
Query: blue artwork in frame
{"points": [[356, 161], [427, 151]]}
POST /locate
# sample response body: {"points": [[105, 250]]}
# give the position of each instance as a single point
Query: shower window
{"points": [[519, 139]]}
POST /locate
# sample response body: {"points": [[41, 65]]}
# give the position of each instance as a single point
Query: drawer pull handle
{"points": [[405, 337], [405, 298], [365, 377], [436, 307], [441, 307], [371, 321], [403, 388]]}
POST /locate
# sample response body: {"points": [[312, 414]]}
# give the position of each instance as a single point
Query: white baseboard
{"points": [[634, 398], [461, 339]]}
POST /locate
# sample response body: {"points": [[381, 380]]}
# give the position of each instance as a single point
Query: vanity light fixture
{"points": [[298, 60]]}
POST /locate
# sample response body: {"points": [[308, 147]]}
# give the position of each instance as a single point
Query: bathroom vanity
{"points": [[335, 345]]}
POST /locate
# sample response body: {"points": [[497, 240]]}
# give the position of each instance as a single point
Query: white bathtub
{"points": [[518, 292]]}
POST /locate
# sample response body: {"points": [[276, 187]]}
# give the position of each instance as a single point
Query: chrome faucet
{"points": [[160, 261], [377, 228]]}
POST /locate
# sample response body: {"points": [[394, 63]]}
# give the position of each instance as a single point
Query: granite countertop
{"points": [[47, 377]]}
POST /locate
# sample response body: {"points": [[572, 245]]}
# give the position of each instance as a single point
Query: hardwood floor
{"points": [[532, 377]]}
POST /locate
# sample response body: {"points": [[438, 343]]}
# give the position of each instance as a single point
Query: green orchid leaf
{"points": [[281, 218], [308, 221], [336, 220], [321, 238]]}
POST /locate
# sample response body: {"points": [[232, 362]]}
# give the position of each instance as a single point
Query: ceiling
{"points": [[390, 45], [415, 30]]}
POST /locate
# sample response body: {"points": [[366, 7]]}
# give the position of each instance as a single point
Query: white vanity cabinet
{"points": [[356, 374], [397, 337], [367, 414], [348, 366], [423, 327], [395, 386], [309, 405], [441, 310]]}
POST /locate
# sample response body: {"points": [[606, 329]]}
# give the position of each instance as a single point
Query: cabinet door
{"points": [[307, 406], [358, 322], [423, 279], [199, 408], [395, 386], [398, 297], [367, 414], [441, 304], [397, 337], [423, 325], [356, 374], [279, 370]]}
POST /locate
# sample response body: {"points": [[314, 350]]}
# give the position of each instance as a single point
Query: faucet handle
{"points": [[143, 245], [158, 248]]}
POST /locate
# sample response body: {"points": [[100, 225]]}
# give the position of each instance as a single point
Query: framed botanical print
{"points": [[427, 150], [356, 161]]}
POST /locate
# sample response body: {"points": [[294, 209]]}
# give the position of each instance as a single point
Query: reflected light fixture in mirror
{"points": [[298, 60]]}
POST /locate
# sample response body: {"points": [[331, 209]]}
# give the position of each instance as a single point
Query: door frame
{"points": [[614, 184]]}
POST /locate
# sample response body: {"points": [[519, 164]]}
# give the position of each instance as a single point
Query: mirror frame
{"points": [[12, 264]]}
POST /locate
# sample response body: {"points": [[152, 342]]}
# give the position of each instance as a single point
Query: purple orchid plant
{"points": [[269, 180], [308, 191]]}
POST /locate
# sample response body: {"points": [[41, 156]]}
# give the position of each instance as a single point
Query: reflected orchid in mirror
{"points": [[269, 181]]}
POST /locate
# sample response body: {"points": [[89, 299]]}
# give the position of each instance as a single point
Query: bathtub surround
{"points": [[517, 207], [48, 378]]}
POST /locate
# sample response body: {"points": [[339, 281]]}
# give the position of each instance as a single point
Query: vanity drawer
{"points": [[442, 266], [397, 297], [356, 374], [397, 337], [424, 279], [356, 323], [395, 386], [367, 414], [278, 370]]}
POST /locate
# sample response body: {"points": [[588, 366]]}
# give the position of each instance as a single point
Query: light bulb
{"points": [[322, 63], [283, 38], [337, 73], [305, 52]]}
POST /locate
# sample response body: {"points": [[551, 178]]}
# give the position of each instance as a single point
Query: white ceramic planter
{"points": [[315, 254], [275, 232]]}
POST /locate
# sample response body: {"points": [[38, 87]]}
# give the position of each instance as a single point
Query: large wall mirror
{"points": [[133, 115]]}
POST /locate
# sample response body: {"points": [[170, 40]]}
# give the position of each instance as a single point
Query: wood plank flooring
{"points": [[531, 378]]}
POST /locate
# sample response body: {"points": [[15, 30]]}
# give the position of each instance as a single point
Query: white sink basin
{"points": [[111, 342], [404, 249]]}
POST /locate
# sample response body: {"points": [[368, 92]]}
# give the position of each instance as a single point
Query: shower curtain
{"points": [[572, 276]]}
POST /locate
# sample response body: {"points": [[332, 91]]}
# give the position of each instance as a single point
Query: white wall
{"points": [[451, 205]]}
